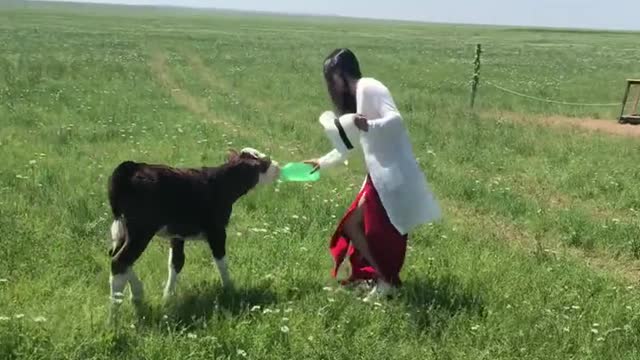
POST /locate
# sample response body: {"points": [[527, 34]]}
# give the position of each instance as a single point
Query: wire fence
{"points": [[476, 81], [516, 93]]}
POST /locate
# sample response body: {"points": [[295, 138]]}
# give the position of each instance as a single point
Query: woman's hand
{"points": [[361, 122], [315, 163]]}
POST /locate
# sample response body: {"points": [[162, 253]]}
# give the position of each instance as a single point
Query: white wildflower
{"points": [[284, 329], [192, 336]]}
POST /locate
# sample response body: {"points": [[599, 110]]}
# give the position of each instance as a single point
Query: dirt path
{"points": [[588, 124]]}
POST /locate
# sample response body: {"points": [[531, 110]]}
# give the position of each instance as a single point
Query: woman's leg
{"points": [[354, 229]]}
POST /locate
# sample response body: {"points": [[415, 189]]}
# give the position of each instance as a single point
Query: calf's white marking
{"points": [[170, 288], [224, 272]]}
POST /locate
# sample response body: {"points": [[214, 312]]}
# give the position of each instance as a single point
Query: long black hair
{"points": [[343, 64]]}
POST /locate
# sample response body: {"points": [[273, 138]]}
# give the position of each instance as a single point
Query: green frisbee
{"points": [[298, 172]]}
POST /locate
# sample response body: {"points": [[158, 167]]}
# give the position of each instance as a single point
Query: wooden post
{"points": [[476, 75]]}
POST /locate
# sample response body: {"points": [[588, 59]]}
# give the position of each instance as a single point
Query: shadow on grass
{"points": [[218, 300], [432, 303], [201, 303], [198, 304]]}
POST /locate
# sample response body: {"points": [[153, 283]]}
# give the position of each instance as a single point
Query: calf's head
{"points": [[253, 161]]}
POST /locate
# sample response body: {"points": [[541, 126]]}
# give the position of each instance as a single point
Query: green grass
{"points": [[536, 257]]}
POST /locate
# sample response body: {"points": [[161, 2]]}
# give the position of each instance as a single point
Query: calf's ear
{"points": [[232, 154]]}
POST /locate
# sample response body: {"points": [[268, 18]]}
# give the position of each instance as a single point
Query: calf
{"points": [[177, 204]]}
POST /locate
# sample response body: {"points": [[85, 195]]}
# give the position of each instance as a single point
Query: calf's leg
{"points": [[122, 262], [217, 240], [176, 263]]}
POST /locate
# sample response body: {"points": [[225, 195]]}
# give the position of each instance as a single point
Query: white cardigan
{"points": [[388, 154]]}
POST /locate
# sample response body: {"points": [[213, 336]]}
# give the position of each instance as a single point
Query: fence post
{"points": [[476, 75]]}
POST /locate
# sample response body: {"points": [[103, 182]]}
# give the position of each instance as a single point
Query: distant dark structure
{"points": [[630, 112]]}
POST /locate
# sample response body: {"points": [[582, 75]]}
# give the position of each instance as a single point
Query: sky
{"points": [[596, 14]]}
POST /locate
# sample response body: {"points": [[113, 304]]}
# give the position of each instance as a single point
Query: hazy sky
{"points": [[607, 14]]}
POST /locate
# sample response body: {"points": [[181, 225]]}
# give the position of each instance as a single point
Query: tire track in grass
{"points": [[194, 104], [256, 104], [221, 85], [198, 105]]}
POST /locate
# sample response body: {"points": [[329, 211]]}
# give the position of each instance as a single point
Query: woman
{"points": [[395, 197]]}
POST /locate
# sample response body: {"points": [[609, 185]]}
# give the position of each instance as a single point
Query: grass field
{"points": [[537, 257]]}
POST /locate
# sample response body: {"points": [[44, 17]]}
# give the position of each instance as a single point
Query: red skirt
{"points": [[387, 246]]}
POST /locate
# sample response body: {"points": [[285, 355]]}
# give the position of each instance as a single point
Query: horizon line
{"points": [[334, 16]]}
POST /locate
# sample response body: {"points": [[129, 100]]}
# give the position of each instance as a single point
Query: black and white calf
{"points": [[178, 204]]}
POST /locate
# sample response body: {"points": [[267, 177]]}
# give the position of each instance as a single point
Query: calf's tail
{"points": [[119, 192]]}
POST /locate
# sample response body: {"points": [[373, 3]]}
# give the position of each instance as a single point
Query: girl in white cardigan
{"points": [[395, 197]]}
